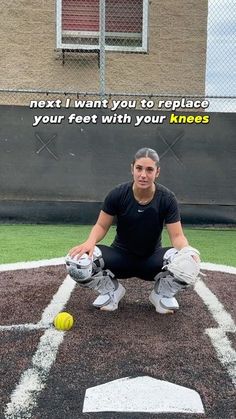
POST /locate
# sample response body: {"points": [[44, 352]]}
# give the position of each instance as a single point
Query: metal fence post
{"points": [[102, 41]]}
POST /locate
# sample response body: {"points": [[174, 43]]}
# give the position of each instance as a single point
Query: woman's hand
{"points": [[86, 247]]}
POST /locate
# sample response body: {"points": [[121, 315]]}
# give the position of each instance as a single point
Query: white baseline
{"points": [[33, 380]]}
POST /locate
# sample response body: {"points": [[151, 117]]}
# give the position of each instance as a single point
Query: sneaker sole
{"points": [[167, 311], [113, 307]]}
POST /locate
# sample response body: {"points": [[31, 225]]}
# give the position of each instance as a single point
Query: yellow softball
{"points": [[63, 321]]}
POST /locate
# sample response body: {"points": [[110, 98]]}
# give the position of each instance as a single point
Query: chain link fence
{"points": [[221, 55], [122, 49]]}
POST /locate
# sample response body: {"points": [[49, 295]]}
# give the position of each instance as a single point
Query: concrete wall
{"points": [[68, 179]]}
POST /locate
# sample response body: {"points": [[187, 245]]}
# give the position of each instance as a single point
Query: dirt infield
{"points": [[134, 341]]}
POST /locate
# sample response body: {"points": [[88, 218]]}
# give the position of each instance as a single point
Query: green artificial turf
{"points": [[34, 242]]}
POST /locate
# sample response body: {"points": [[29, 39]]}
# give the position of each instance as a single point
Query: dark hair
{"points": [[147, 152]]}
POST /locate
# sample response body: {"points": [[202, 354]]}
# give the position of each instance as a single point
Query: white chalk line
{"points": [[33, 380], [225, 352], [31, 265], [60, 261], [43, 323], [219, 268], [58, 301], [23, 327]]}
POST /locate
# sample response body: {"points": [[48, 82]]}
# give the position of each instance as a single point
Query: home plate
{"points": [[142, 394]]}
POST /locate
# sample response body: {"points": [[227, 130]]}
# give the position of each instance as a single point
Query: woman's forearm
{"points": [[97, 234], [179, 242]]}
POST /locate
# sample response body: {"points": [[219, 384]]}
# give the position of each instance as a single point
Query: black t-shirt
{"points": [[139, 227]]}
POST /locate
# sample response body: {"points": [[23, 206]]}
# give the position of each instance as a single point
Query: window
{"points": [[126, 23]]}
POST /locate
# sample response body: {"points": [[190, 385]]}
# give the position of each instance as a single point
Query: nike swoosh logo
{"points": [[140, 210]]}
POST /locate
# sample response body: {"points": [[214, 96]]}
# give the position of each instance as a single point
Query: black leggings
{"points": [[126, 265]]}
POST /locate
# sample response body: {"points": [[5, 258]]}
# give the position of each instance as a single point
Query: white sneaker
{"points": [[163, 305], [110, 301]]}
